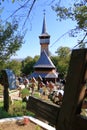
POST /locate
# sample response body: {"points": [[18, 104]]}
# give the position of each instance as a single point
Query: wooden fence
{"points": [[67, 117]]}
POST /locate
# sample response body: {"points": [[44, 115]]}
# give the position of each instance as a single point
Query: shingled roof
{"points": [[44, 61]]}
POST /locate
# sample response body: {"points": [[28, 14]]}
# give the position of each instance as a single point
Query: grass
{"points": [[16, 109]]}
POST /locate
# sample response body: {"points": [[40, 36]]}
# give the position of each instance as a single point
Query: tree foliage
{"points": [[63, 52], [10, 40], [15, 65], [77, 12], [61, 61], [28, 64]]}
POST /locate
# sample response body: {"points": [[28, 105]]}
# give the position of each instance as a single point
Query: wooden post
{"points": [[9, 82], [6, 92], [6, 98], [77, 74]]}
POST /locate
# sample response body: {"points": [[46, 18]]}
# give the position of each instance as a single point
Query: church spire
{"points": [[44, 24]]}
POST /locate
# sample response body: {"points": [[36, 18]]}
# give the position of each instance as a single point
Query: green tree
{"points": [[14, 65], [10, 40], [2, 65], [76, 12], [63, 52], [54, 60], [61, 61], [28, 64]]}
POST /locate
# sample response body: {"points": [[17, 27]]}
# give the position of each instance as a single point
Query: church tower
{"points": [[44, 67], [44, 38]]}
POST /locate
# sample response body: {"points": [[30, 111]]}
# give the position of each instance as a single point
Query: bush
{"points": [[24, 92]]}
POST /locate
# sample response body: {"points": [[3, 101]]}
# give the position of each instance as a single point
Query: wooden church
{"points": [[44, 66]]}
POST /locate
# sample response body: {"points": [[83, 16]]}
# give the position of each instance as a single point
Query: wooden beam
{"points": [[44, 110], [79, 123], [73, 94]]}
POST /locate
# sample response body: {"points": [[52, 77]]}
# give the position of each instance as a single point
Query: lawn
{"points": [[18, 108]]}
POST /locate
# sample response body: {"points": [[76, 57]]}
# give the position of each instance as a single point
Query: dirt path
{"points": [[15, 126]]}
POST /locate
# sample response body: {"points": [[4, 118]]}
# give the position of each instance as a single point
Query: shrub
{"points": [[24, 92]]}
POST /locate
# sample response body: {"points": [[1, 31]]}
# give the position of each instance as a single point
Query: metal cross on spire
{"points": [[44, 11]]}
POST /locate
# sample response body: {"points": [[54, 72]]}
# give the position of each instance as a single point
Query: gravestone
{"points": [[9, 83]]}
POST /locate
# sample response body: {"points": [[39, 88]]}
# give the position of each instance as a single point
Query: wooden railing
{"points": [[68, 116]]}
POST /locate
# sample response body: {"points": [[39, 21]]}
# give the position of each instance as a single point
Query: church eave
{"points": [[44, 75], [44, 66], [44, 35]]}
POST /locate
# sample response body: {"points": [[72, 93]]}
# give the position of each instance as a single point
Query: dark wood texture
{"points": [[5, 92], [73, 88], [44, 110], [79, 123]]}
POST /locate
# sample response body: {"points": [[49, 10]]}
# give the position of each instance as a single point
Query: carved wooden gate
{"points": [[68, 116]]}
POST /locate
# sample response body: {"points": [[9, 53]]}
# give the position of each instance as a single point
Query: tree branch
{"points": [[29, 12], [81, 41], [61, 37], [22, 6]]}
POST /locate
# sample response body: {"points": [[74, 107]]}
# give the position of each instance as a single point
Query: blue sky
{"points": [[34, 28]]}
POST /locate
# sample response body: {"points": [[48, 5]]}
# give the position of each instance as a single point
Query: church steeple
{"points": [[44, 66], [44, 25], [44, 38]]}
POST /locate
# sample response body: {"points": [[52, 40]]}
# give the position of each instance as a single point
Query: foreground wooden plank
{"points": [[44, 110]]}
